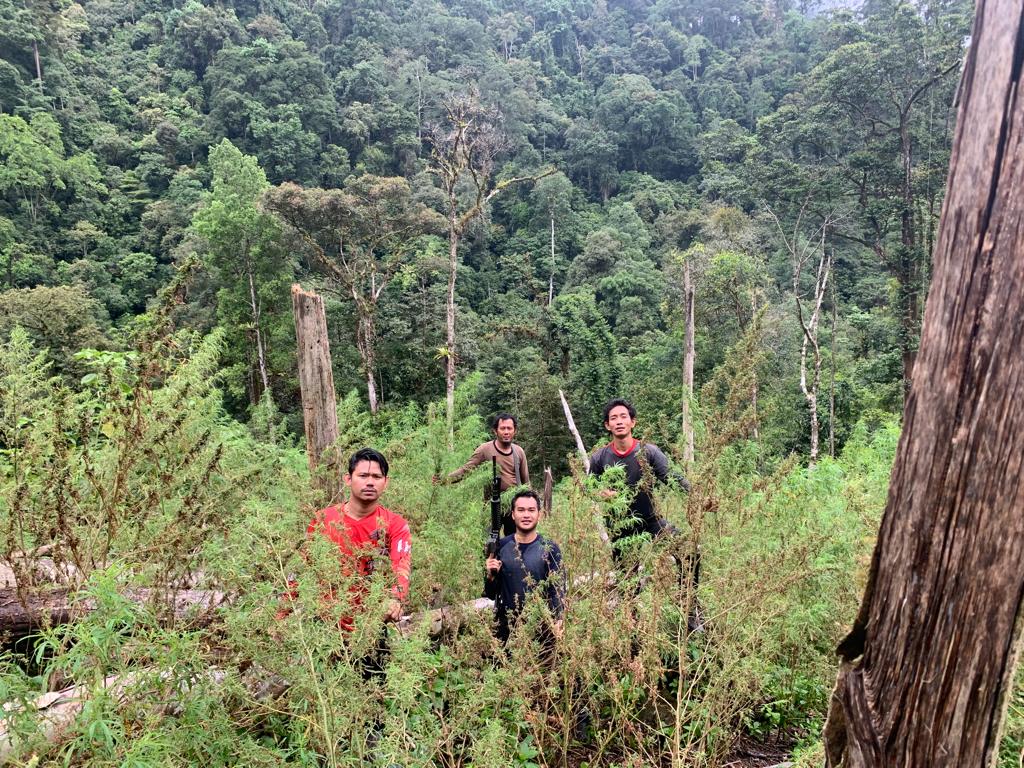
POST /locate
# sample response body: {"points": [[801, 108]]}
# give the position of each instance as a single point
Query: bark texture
{"points": [[316, 383], [929, 663]]}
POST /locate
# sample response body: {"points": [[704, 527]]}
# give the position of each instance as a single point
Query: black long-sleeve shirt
{"points": [[641, 462], [524, 567]]}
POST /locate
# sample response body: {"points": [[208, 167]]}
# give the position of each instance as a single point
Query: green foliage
{"points": [[1011, 749], [589, 358], [137, 139], [244, 255], [60, 319], [646, 112], [273, 680]]}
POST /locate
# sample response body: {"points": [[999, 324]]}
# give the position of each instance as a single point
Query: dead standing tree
{"points": [[801, 251], [689, 355], [927, 669], [316, 385], [463, 152], [678, 228]]}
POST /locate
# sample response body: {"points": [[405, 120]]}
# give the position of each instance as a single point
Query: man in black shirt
{"points": [[525, 561], [643, 463]]}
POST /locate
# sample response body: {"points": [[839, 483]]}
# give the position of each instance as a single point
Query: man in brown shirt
{"points": [[511, 458]]}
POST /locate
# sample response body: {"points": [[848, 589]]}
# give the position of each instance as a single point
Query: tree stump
{"points": [[316, 384]]}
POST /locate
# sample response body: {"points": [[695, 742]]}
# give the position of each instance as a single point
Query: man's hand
{"points": [[493, 565], [436, 479], [607, 493], [392, 611]]}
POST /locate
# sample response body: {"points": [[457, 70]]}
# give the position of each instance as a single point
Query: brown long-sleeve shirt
{"points": [[506, 464]]}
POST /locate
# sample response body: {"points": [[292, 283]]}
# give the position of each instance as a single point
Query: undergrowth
{"points": [[134, 487]]}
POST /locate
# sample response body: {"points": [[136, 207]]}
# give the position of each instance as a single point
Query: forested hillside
{"points": [[722, 136], [723, 210]]}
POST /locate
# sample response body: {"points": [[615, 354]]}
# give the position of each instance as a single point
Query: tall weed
{"points": [[159, 489]]}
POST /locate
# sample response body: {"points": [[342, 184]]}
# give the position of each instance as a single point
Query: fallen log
{"points": [[57, 711], [37, 592], [446, 617], [26, 611]]}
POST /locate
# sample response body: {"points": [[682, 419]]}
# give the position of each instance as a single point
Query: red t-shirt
{"points": [[366, 542]]}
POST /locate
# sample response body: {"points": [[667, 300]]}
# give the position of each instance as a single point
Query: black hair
{"points": [[526, 493], [500, 417], [615, 403], [368, 454]]}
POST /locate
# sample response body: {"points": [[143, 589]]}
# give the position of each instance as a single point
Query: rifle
{"points": [[492, 539]]}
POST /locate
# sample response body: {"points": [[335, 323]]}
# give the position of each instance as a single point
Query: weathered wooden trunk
{"points": [[316, 383], [37, 608], [46, 595], [929, 662], [580, 447]]}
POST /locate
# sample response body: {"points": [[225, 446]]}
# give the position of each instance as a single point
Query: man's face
{"points": [[505, 431], [619, 422], [525, 514], [367, 481]]}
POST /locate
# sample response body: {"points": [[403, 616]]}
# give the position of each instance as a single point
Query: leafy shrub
{"points": [[160, 490]]}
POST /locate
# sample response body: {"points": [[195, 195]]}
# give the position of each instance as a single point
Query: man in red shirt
{"points": [[366, 533]]}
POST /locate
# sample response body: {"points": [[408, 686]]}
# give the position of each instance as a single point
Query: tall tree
{"points": [[869, 125], [244, 252], [359, 237], [553, 195], [689, 354], [464, 149], [678, 228], [804, 249], [33, 165], [929, 663]]}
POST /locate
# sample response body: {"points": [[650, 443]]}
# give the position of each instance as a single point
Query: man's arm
{"points": [[524, 469], [492, 574], [478, 458], [659, 464], [492, 571], [400, 554]]}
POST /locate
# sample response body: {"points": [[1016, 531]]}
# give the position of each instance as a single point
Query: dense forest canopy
{"points": [[723, 210], [714, 134]]}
